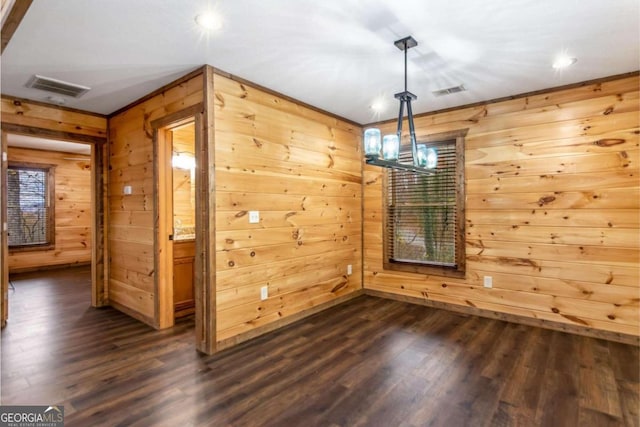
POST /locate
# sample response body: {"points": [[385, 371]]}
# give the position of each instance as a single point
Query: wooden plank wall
{"points": [[72, 211], [51, 120], [552, 209], [301, 169], [131, 217]]}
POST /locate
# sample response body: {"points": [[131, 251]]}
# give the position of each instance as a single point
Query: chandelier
{"points": [[384, 151]]}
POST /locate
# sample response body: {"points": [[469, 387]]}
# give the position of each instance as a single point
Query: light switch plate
{"points": [[488, 282], [264, 293], [254, 217], [126, 189]]}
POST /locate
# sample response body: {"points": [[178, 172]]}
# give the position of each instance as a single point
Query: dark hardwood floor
{"points": [[368, 362]]}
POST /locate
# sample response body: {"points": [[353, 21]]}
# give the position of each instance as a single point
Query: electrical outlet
{"points": [[254, 217], [264, 293], [349, 270], [488, 282], [126, 189]]}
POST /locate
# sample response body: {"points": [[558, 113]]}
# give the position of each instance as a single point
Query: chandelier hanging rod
{"points": [[424, 159]]}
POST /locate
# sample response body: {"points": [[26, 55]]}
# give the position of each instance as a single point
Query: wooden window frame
{"points": [[459, 270], [51, 182]]}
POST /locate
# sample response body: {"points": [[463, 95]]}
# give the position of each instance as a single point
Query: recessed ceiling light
{"points": [[563, 61], [378, 106], [209, 20]]}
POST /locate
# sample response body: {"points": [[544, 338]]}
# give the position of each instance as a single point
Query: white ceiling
{"points": [[337, 55], [38, 143]]}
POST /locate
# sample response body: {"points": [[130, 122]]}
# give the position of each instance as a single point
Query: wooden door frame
{"points": [[4, 244], [163, 217], [98, 145], [204, 268], [205, 261]]}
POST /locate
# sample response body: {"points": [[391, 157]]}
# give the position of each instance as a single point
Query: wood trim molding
{"points": [[99, 295], [174, 119], [50, 267], [11, 20], [205, 261], [162, 246], [541, 323], [13, 99], [53, 134], [233, 341]]}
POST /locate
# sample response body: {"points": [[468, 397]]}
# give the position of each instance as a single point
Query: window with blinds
{"points": [[424, 214], [30, 209]]}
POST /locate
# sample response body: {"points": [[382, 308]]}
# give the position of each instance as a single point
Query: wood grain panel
{"points": [[237, 239], [615, 198], [234, 220], [558, 252], [31, 114], [484, 121], [590, 135], [607, 237], [302, 170], [625, 314], [273, 268], [615, 218], [255, 256], [552, 209], [72, 211], [559, 165], [615, 179], [12, 13], [228, 201], [131, 217], [244, 318], [236, 180], [504, 307]]}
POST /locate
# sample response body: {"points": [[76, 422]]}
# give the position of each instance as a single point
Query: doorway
{"points": [[177, 225], [183, 209], [54, 222], [204, 230]]}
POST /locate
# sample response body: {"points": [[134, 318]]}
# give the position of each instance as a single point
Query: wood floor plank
{"points": [[367, 362]]}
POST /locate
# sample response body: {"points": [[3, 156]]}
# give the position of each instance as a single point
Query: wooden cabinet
{"points": [[183, 256]]}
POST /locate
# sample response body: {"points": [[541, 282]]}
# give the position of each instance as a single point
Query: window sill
{"points": [[426, 270], [33, 248]]}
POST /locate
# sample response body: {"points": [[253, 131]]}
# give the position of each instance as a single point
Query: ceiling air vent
{"points": [[57, 86], [449, 90]]}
